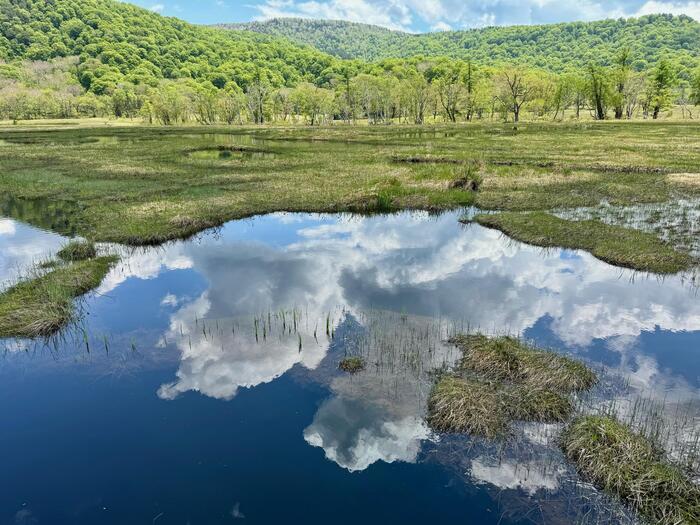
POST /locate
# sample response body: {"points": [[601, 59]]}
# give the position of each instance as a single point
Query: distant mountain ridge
{"points": [[553, 46]]}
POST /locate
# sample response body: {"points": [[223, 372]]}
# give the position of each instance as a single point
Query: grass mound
{"points": [[616, 245], [509, 359], [623, 463], [540, 405], [352, 365], [467, 406], [500, 380], [42, 306], [77, 251]]}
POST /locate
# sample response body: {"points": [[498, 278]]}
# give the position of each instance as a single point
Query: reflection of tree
{"points": [[47, 214]]}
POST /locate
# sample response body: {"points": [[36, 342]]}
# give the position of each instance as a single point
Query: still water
{"points": [[202, 384]]}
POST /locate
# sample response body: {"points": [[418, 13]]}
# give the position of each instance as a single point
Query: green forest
{"points": [[555, 47], [102, 58]]}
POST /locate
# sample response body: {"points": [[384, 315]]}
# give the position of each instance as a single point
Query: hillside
{"points": [[119, 42], [553, 46]]}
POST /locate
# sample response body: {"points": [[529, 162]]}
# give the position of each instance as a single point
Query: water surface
{"points": [[202, 385]]}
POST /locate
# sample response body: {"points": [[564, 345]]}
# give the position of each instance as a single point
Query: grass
{"points": [[469, 406], [625, 464], [77, 251], [616, 245], [43, 305], [352, 365], [500, 380], [138, 185], [510, 359]]}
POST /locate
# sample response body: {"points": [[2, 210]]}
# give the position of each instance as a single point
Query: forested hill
{"points": [[552, 47], [119, 42]]}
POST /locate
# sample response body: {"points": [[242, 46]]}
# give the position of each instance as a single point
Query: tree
{"points": [[313, 102], [621, 74], [599, 91], [661, 83], [515, 88], [634, 89], [257, 98], [695, 88], [230, 104], [417, 93]]}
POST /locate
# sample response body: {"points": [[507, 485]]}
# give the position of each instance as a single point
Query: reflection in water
{"points": [[21, 247], [290, 295]]}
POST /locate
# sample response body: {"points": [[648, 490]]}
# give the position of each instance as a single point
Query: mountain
{"points": [[553, 47], [118, 42]]}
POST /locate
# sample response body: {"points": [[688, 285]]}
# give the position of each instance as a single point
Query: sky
{"points": [[419, 16]]}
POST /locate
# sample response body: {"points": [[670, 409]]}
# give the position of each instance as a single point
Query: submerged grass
{"points": [[500, 380], [43, 305], [352, 365], [616, 245], [625, 464]]}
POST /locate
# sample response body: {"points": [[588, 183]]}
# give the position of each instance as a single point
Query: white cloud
{"points": [[691, 9], [157, 8], [440, 15]]}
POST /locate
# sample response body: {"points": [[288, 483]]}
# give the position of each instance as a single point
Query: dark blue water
{"points": [[166, 405]]}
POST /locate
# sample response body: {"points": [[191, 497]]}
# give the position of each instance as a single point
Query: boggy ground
{"points": [[143, 185]]}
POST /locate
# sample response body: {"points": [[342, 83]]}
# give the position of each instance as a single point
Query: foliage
{"points": [[555, 47]]}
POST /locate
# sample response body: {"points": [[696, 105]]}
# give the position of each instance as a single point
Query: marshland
{"points": [[313, 347]]}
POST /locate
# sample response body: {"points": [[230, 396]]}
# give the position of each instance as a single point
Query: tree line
{"points": [[412, 91]]}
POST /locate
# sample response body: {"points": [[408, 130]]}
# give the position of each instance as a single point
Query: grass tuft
{"points": [[625, 464], [77, 251], [43, 305], [616, 245], [500, 380], [509, 359], [458, 405], [352, 365]]}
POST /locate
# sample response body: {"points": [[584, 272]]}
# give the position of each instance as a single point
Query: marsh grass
{"points": [[501, 380], [139, 188], [616, 245], [512, 360], [44, 303], [77, 251], [626, 464], [470, 406], [352, 364]]}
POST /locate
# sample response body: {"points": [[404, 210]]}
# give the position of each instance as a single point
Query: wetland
{"points": [[204, 325]]}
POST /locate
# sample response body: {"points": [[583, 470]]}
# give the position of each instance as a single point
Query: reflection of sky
{"points": [[200, 298], [21, 246]]}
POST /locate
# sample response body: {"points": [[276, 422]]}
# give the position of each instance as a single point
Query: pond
{"points": [[202, 383]]}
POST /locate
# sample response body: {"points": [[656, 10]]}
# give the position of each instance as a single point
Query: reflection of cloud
{"points": [[355, 434], [529, 476], [7, 227], [145, 264], [218, 361], [21, 247]]}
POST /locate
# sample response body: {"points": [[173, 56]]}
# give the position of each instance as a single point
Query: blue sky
{"points": [[419, 15]]}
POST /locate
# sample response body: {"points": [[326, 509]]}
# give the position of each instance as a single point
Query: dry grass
{"points": [[467, 406], [500, 380], [509, 359], [625, 464]]}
